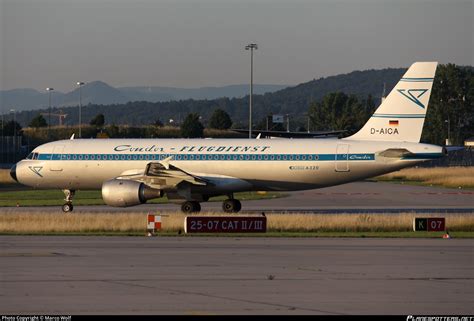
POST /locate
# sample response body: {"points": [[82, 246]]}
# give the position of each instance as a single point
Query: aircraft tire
{"points": [[197, 207], [190, 207], [231, 206], [67, 207]]}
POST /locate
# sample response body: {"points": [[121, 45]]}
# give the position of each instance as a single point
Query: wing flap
{"points": [[171, 175]]}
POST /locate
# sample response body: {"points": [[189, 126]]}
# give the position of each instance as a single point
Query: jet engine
{"points": [[123, 193]]}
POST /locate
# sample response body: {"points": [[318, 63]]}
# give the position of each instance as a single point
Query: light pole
{"points": [[80, 84], [14, 133], [49, 89], [251, 47]]}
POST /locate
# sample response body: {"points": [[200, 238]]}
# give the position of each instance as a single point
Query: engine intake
{"points": [[123, 193]]}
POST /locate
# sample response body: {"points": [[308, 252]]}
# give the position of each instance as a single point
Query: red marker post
{"points": [[153, 224]]}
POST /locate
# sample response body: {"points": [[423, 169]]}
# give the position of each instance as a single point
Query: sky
{"points": [[178, 43]]}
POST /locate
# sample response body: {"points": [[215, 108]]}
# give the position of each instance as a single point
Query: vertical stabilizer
{"points": [[402, 114]]}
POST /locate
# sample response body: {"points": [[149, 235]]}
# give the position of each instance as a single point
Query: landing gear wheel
{"points": [[67, 207], [190, 207], [231, 206], [197, 207], [69, 194]]}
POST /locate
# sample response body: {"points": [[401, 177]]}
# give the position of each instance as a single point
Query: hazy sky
{"points": [[201, 43]]}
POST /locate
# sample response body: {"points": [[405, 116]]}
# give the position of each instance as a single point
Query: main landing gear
{"points": [[191, 207], [230, 205], [69, 194]]}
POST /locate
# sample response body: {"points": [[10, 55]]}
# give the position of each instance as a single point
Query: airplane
{"points": [[130, 172], [277, 133]]}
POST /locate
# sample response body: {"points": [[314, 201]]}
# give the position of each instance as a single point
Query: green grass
{"points": [[29, 197]]}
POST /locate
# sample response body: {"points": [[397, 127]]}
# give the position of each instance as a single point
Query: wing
{"points": [[163, 175]]}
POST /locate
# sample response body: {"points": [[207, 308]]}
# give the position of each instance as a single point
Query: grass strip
{"points": [[288, 225]]}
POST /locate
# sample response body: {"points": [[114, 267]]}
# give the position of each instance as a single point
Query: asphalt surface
{"points": [[358, 197], [183, 275]]}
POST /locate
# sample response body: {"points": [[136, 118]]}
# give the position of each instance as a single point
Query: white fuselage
{"points": [[261, 164]]}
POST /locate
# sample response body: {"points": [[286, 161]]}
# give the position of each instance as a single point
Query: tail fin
{"points": [[401, 115]]}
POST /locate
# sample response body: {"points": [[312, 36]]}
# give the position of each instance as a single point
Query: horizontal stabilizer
{"points": [[395, 153], [450, 149]]}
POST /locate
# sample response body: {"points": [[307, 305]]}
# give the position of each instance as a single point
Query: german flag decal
{"points": [[393, 122]]}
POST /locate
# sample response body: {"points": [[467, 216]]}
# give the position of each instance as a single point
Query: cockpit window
{"points": [[33, 156]]}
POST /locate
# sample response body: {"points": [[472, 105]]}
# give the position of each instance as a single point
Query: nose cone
{"points": [[13, 172]]}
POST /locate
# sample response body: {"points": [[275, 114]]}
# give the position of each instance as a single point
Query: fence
{"points": [[463, 157], [11, 149]]}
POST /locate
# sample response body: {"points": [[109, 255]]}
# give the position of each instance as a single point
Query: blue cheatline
{"points": [[399, 115], [417, 79], [208, 157]]}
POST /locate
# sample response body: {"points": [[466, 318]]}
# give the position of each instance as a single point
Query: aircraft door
{"points": [[342, 158], [56, 163]]}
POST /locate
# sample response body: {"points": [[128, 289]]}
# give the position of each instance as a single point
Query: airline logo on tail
{"points": [[414, 95]]}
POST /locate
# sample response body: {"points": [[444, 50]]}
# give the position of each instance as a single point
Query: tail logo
{"points": [[414, 95]]}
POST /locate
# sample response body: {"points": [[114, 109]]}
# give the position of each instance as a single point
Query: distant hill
{"points": [[291, 100], [98, 92], [155, 94]]}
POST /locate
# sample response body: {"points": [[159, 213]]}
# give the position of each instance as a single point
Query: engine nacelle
{"points": [[123, 193]]}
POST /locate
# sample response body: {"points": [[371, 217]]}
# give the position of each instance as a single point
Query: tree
{"points": [[12, 128], [220, 120], [38, 122], [113, 131], [337, 111], [158, 123], [192, 127], [98, 121], [451, 106]]}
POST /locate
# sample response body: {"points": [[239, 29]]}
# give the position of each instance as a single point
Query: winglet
{"points": [[72, 137]]}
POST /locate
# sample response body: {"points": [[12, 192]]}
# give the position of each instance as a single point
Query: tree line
{"points": [[450, 110]]}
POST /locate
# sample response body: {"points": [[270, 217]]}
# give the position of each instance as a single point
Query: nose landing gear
{"points": [[69, 194]]}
